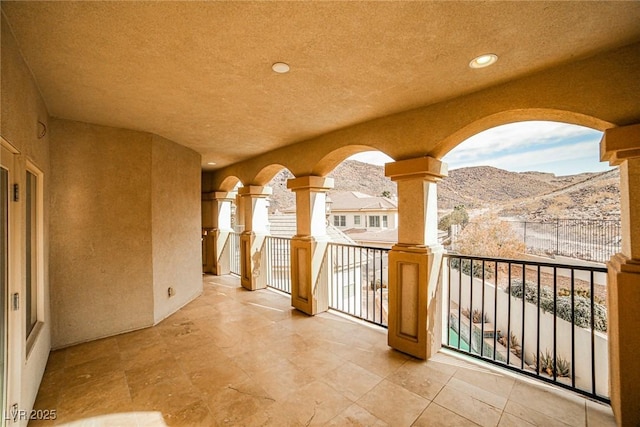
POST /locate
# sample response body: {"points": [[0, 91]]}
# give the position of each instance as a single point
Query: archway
{"points": [[520, 325]]}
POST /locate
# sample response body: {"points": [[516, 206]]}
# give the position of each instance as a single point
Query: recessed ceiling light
{"points": [[211, 163], [280, 67], [483, 60]]}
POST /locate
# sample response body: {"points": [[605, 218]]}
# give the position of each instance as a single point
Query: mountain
{"points": [[350, 175], [527, 195], [597, 196]]}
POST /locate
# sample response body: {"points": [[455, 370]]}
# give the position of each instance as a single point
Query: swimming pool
{"points": [[454, 338]]}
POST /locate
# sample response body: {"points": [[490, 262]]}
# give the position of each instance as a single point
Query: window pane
{"points": [[356, 220]]}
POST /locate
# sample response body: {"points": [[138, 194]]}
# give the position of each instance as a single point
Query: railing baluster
{"points": [[593, 346], [495, 311], [524, 300], [573, 329], [555, 321], [482, 314], [471, 306], [538, 326], [550, 311], [509, 312], [448, 266]]}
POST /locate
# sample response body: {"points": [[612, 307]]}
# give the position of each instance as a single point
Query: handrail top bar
{"points": [[526, 262], [359, 246], [552, 220]]}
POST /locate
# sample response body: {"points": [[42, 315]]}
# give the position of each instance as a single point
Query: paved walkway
{"points": [[234, 357]]}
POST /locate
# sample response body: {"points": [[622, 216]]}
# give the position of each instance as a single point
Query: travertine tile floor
{"points": [[234, 357]]}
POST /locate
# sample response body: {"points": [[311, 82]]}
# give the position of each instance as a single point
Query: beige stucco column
{"points": [[415, 261], [216, 224], [239, 223], [309, 281], [256, 227], [621, 147]]}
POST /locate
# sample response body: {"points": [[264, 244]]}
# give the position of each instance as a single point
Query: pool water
{"points": [[454, 338]]}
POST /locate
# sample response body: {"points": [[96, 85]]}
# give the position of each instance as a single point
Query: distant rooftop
{"points": [[354, 200], [285, 226]]}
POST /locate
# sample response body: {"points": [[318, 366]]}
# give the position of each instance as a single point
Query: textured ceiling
{"points": [[199, 73]]}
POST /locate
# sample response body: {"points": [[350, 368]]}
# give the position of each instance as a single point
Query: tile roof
{"points": [[354, 200], [285, 226]]}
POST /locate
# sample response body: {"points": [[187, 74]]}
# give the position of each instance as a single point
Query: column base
{"points": [[252, 261], [623, 300], [415, 299], [222, 263], [208, 250], [309, 276]]}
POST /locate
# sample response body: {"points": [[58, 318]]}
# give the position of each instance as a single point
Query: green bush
{"points": [[489, 268], [458, 216], [582, 305]]}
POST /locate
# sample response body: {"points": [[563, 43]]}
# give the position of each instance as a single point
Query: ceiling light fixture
{"points": [[211, 163], [280, 67], [483, 60]]}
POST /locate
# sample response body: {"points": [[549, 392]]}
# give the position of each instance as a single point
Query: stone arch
{"points": [[329, 162], [514, 116], [267, 173], [229, 182]]}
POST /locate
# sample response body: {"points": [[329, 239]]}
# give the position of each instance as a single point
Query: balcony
{"points": [[235, 357]]}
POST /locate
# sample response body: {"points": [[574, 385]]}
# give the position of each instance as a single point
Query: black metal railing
{"points": [[234, 253], [358, 279], [541, 319], [588, 239], [278, 263]]}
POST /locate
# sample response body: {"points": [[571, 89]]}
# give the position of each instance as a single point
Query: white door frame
{"points": [[12, 348]]}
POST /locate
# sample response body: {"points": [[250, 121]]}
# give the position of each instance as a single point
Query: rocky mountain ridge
{"points": [[526, 195]]}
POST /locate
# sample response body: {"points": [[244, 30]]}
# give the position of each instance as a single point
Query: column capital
{"points": [[255, 191], [426, 168], [619, 144], [220, 196], [310, 182]]}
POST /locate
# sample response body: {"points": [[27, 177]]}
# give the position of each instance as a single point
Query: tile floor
{"points": [[234, 357]]}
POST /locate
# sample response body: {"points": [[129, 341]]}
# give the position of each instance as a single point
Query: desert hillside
{"points": [[526, 195]]}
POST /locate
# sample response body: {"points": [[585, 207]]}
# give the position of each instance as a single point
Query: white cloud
{"points": [[539, 160], [554, 147], [542, 146], [516, 137], [372, 157]]}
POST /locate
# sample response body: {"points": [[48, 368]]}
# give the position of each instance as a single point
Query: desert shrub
{"points": [[489, 269], [562, 365], [491, 237], [459, 216], [582, 305]]}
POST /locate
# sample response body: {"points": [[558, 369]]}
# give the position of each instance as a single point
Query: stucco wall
{"points": [[22, 108], [177, 261], [125, 227], [101, 264]]}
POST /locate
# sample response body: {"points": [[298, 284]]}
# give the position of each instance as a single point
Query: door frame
{"points": [[12, 333]]}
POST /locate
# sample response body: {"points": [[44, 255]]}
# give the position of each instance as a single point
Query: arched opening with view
{"points": [[530, 217]]}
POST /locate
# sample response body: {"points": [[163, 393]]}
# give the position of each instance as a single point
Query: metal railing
{"points": [[278, 251], [588, 239], [540, 319], [358, 279], [234, 253]]}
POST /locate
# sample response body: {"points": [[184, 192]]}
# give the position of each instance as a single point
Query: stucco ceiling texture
{"points": [[199, 73]]}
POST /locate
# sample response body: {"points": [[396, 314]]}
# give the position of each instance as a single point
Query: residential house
{"points": [[355, 210]]}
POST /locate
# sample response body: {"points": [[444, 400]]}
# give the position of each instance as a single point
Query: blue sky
{"points": [[558, 148]]}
